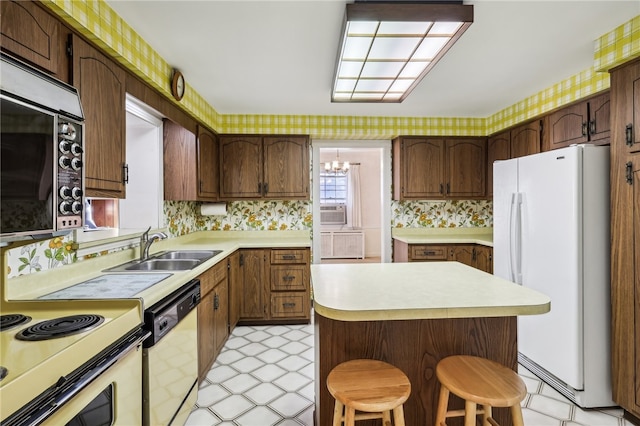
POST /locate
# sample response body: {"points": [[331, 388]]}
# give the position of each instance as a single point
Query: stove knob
{"points": [[76, 163], [65, 192], [76, 207], [76, 149], [65, 207], [64, 162], [64, 146], [67, 131], [76, 192]]}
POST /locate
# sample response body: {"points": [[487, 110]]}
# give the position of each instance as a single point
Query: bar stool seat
{"points": [[478, 381], [374, 388]]}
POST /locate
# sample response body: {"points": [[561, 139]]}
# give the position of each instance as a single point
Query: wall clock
{"points": [[177, 85]]}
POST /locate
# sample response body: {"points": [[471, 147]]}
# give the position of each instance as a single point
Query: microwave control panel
{"points": [[70, 180]]}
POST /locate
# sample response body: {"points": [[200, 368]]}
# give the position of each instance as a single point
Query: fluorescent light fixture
{"points": [[387, 48]]}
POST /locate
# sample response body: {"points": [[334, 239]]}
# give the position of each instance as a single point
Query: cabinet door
{"points": [[526, 139], [254, 277], [600, 119], [463, 254], [233, 277], [625, 106], [498, 148], [484, 258], [569, 126], [466, 167], [240, 167], [206, 345], [220, 314], [101, 84], [208, 176], [286, 167], [422, 168], [179, 157], [31, 33]]}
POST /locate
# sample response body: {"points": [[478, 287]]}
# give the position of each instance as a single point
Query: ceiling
{"points": [[278, 57]]}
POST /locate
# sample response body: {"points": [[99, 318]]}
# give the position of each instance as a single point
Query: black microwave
{"points": [[41, 154]]}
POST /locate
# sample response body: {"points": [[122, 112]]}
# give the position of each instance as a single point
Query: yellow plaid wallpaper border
{"points": [[98, 22]]}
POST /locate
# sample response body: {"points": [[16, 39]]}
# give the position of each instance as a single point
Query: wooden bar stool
{"points": [[374, 388], [478, 381]]}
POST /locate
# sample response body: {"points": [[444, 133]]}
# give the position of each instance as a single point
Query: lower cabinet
{"points": [[213, 316], [476, 255], [275, 285]]}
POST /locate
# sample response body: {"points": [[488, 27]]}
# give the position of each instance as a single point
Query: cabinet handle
{"points": [[266, 188], [288, 305], [584, 129], [473, 255], [448, 189], [288, 278], [629, 172], [289, 256], [216, 302], [428, 253], [628, 131], [259, 187], [592, 127], [442, 189], [125, 174]]}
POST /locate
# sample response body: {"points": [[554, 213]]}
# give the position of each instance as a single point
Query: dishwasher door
{"points": [[171, 374]]}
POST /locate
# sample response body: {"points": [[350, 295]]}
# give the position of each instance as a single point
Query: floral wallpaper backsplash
{"points": [[183, 217], [442, 214]]}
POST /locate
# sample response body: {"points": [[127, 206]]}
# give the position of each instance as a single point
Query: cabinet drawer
{"points": [[285, 305], [289, 256], [428, 252], [212, 277], [289, 278]]}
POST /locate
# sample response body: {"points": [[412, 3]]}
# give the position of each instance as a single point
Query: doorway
{"points": [[374, 160]]}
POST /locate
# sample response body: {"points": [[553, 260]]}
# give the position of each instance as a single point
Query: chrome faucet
{"points": [[146, 240]]}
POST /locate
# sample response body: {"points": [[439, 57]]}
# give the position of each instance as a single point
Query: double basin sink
{"points": [[176, 260]]}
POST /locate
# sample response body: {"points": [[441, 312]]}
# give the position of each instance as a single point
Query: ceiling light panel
{"points": [[386, 49]]}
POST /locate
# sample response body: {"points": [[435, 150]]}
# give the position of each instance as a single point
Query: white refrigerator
{"points": [[551, 234]]}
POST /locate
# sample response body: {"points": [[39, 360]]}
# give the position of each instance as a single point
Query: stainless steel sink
{"points": [[175, 260], [164, 265]]}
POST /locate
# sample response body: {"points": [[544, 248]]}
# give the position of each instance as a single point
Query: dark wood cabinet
{"points": [[101, 84], [269, 167], [213, 316], [587, 121], [233, 271], [475, 255], [253, 277], [436, 168], [30, 33], [625, 234], [190, 164], [526, 139]]}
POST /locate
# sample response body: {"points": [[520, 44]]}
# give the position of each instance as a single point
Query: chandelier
{"points": [[335, 166]]}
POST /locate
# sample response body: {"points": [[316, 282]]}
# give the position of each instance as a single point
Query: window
{"points": [[333, 188]]}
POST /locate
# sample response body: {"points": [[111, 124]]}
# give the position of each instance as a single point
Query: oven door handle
{"points": [[69, 386]]}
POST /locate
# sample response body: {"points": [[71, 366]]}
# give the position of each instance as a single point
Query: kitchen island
{"points": [[412, 315]]}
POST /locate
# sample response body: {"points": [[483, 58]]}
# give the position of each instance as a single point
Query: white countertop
{"points": [[33, 286], [422, 290], [483, 236]]}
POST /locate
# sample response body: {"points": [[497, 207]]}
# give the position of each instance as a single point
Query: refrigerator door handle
{"points": [[514, 238]]}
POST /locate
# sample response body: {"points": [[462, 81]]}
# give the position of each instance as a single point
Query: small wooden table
{"points": [[412, 315]]}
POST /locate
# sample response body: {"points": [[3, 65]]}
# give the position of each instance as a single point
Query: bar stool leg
{"points": [[398, 416], [350, 416], [443, 403], [485, 416], [386, 418], [469, 413], [338, 413], [516, 414]]}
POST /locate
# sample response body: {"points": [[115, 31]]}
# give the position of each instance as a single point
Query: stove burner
{"points": [[60, 327], [12, 320]]}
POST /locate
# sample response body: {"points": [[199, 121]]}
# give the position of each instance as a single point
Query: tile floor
{"points": [[264, 376]]}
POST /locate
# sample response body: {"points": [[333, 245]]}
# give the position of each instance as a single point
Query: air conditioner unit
{"points": [[333, 214]]}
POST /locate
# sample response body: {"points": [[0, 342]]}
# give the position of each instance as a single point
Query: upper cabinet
{"points": [[436, 168], [101, 84], [255, 167], [190, 164], [582, 122], [625, 88], [30, 33], [525, 139]]}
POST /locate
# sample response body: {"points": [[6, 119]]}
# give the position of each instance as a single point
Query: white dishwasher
{"points": [[170, 357]]}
